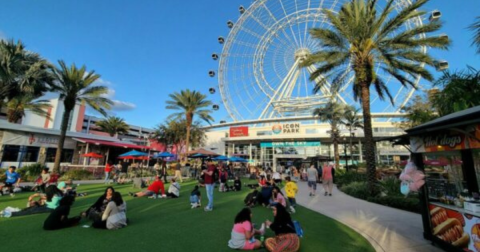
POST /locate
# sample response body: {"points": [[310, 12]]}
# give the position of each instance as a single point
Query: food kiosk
{"points": [[448, 151]]}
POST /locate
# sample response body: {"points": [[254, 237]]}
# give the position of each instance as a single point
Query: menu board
{"points": [[459, 229]]}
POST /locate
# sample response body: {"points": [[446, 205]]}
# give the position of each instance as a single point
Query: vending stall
{"points": [[447, 150]]}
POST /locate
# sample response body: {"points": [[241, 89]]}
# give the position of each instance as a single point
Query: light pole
{"points": [[345, 152], [352, 135]]}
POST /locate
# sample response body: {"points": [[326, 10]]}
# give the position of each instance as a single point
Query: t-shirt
{"points": [[124, 167], [327, 172], [281, 200], [242, 227], [209, 178], [195, 192], [54, 220], [291, 189], [12, 177], [174, 188], [157, 186], [53, 204], [312, 174], [45, 177], [276, 176], [108, 168]]}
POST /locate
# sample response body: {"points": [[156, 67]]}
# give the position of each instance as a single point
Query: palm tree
{"points": [[77, 85], [419, 111], [174, 133], [332, 113], [189, 103], [17, 106], [352, 122], [475, 27], [113, 126], [22, 72], [359, 42], [460, 90]]}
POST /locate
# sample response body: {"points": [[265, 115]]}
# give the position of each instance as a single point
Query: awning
{"points": [[109, 143]]}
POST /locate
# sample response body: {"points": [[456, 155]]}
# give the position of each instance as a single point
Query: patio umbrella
{"points": [[134, 153], [163, 155], [202, 151], [92, 155], [134, 158], [220, 158], [198, 155], [237, 159]]}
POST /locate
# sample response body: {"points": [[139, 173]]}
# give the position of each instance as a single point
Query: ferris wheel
{"points": [[259, 75]]}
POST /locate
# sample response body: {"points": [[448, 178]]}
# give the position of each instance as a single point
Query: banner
{"points": [[241, 131], [459, 139], [34, 139], [286, 128], [290, 144]]}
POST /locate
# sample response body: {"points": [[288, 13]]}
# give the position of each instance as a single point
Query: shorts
{"points": [[327, 181], [8, 184], [148, 193], [312, 184], [248, 245]]}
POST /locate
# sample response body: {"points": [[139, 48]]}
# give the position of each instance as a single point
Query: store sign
{"points": [[467, 138], [241, 131], [290, 144], [286, 128], [34, 139]]}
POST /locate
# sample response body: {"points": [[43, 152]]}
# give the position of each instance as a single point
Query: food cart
{"points": [[448, 151]]}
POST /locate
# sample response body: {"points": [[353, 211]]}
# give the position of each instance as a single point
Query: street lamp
{"points": [[352, 135], [345, 152]]}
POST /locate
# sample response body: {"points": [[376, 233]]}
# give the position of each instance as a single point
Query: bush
{"points": [[411, 204], [391, 186], [349, 177], [30, 172], [77, 175], [357, 190]]}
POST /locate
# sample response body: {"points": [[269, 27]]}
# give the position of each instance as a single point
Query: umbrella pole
{"points": [[84, 159], [108, 153]]}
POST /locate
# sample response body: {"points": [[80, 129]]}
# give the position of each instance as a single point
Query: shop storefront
{"points": [[448, 151]]}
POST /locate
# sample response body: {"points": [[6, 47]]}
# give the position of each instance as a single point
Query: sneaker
{"points": [[310, 194], [326, 193], [262, 229], [12, 195], [330, 194], [131, 194], [292, 209], [194, 205], [207, 209]]}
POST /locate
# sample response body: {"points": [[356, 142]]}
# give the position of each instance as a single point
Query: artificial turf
{"points": [[165, 225]]}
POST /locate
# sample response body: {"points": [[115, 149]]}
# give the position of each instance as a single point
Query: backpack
{"points": [[298, 229], [251, 198]]}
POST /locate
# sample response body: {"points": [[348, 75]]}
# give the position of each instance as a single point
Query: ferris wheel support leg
{"points": [[324, 89], [282, 87], [286, 94]]}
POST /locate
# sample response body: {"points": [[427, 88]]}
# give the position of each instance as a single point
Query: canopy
{"points": [[134, 153], [198, 155], [435, 162], [163, 155], [238, 159], [134, 158], [202, 151], [110, 143], [221, 158], [92, 155]]}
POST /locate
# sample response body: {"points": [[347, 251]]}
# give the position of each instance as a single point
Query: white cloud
{"points": [[117, 104]]}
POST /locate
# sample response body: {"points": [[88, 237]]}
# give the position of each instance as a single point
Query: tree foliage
{"points": [[419, 111], [114, 126], [17, 106], [475, 27], [174, 132]]}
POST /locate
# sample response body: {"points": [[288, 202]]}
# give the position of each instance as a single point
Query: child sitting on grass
{"points": [[58, 219], [195, 197]]}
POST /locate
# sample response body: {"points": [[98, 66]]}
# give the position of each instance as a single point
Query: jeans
{"points": [[210, 188], [107, 177]]}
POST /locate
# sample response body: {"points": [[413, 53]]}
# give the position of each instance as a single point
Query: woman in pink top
{"points": [[243, 232], [277, 197], [327, 179]]}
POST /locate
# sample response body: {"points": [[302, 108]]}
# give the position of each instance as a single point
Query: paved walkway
{"points": [[387, 229]]}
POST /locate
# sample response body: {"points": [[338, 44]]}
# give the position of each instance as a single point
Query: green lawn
{"points": [[165, 225]]}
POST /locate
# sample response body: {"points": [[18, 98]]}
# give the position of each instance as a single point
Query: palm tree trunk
{"points": [[369, 143], [187, 141], [335, 146], [61, 141]]}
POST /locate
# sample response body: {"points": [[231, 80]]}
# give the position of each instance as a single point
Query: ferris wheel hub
{"points": [[301, 54]]}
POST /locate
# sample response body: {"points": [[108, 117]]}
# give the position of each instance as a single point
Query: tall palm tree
{"points": [[113, 126], [22, 71], [352, 122], [174, 133], [77, 85], [189, 103], [17, 106], [419, 111], [332, 113], [475, 27], [359, 42]]}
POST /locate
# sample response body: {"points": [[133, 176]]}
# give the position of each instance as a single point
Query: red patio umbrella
{"points": [[92, 155]]}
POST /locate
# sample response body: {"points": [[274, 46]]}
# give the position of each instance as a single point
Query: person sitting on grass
{"points": [[243, 232], [265, 194], [286, 238], [195, 197], [95, 212], [152, 190], [58, 219], [12, 178], [114, 216], [262, 181], [173, 189], [237, 184], [53, 196], [277, 197]]}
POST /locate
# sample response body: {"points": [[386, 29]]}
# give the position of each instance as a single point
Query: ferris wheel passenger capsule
{"points": [[434, 15], [230, 24], [241, 9], [441, 65], [215, 107], [215, 56], [221, 40], [211, 73], [212, 90], [223, 121]]}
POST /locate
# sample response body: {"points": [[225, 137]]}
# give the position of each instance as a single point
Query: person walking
{"points": [[312, 176], [108, 170], [178, 173], [327, 178], [291, 189], [209, 184]]}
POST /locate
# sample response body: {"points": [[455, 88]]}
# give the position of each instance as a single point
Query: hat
{"points": [[61, 185]]}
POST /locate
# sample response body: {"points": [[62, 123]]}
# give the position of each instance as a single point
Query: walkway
{"points": [[387, 229]]}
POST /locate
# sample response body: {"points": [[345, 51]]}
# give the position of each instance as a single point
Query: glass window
{"points": [[264, 133], [31, 154], [444, 172], [312, 131], [10, 153], [67, 155]]}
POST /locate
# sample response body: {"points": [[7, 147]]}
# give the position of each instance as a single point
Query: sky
{"points": [[145, 50]]}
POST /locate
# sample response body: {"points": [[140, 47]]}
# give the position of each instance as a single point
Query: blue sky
{"points": [[146, 49]]}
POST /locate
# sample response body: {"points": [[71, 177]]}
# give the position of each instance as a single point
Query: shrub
{"points": [[391, 186], [349, 177], [411, 204], [30, 172], [357, 190], [77, 175]]}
